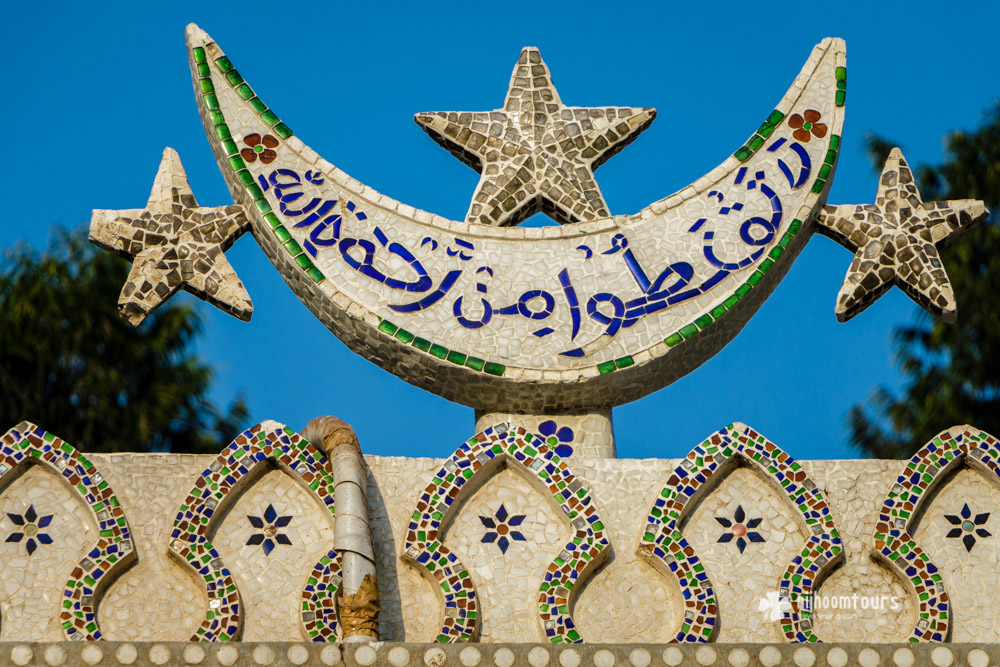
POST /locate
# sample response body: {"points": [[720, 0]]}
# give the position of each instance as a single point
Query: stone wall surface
{"points": [[505, 532], [286, 654]]}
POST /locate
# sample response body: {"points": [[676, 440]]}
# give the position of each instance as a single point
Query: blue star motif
{"points": [[269, 526], [499, 526], [30, 525], [739, 527], [967, 527]]}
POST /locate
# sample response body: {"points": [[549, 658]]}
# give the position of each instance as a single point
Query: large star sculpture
{"points": [[896, 242], [174, 243], [536, 154]]}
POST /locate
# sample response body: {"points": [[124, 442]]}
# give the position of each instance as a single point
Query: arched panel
{"points": [[665, 546], [960, 445], [473, 463], [114, 551], [215, 490]]}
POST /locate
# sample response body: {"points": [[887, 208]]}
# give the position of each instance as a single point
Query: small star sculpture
{"points": [[896, 242], [536, 153], [174, 243]]}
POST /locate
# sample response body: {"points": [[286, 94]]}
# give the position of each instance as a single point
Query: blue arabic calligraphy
{"points": [[324, 220]]}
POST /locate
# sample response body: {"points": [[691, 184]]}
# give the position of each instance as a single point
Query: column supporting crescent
{"points": [[580, 433]]}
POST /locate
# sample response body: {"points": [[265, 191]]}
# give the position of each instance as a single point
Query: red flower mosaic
{"points": [[262, 147], [807, 127]]}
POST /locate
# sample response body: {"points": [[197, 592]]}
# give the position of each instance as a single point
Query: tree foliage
{"points": [[952, 370], [70, 364]]}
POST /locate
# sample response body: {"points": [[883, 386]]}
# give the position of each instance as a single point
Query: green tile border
{"points": [[222, 133], [841, 97], [439, 351], [703, 322], [755, 142], [829, 161]]}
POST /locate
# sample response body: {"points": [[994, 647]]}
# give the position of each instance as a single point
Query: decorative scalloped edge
{"points": [[663, 544], [893, 543], [480, 458], [189, 542], [114, 552]]}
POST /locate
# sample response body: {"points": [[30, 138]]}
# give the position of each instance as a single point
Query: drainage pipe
{"points": [[357, 597]]}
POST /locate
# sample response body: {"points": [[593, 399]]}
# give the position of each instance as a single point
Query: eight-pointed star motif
{"points": [[174, 243], [896, 242], [536, 153], [500, 526]]}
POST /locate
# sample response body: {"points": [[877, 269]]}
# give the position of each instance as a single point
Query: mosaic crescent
{"points": [[581, 311]]}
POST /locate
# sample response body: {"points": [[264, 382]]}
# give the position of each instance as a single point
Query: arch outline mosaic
{"points": [[113, 553], [480, 458], [664, 545], [221, 484], [894, 545]]}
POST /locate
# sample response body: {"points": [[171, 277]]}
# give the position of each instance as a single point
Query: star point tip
{"points": [[131, 312], [531, 55], [843, 315], [977, 211], [195, 36]]}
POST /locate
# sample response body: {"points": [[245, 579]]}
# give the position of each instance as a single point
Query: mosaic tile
{"points": [[479, 458], [576, 435], [159, 594], [949, 450], [558, 437], [214, 492], [666, 547], [740, 528], [500, 528], [269, 524], [114, 552]]}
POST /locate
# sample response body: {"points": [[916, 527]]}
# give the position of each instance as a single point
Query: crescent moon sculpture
{"points": [[579, 317]]}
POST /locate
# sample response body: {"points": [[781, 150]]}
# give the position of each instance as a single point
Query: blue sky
{"points": [[97, 90]]}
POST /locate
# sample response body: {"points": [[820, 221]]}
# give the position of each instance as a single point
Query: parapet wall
{"points": [[736, 543]]}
